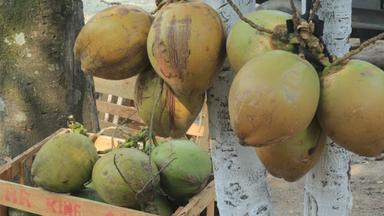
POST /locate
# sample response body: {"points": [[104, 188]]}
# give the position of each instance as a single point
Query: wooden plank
{"points": [[204, 138], [199, 202], [119, 110], [130, 130], [195, 130], [103, 143], [106, 114], [211, 209], [6, 175], [42, 202], [116, 117], [122, 88]]}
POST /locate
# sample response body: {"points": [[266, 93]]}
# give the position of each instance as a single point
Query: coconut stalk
{"points": [[327, 187], [240, 178]]}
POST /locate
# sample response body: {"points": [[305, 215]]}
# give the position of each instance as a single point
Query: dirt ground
{"points": [[367, 186]]}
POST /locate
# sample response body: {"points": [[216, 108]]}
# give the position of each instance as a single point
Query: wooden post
{"points": [[327, 189], [240, 178]]}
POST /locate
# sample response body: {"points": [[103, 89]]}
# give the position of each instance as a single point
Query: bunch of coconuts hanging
{"points": [[185, 45], [281, 104]]}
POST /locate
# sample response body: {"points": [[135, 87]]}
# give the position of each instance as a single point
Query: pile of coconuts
{"points": [[156, 182], [287, 96]]}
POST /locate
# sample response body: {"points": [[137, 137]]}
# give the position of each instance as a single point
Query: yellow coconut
{"points": [[112, 45], [351, 107], [173, 115], [293, 158], [245, 42], [186, 46], [273, 97]]}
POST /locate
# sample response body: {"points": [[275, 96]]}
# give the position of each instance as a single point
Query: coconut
{"points": [[173, 115], [245, 42], [89, 193], [159, 206], [186, 46], [112, 44], [272, 98], [351, 107], [125, 177], [293, 158], [18, 212], [186, 167], [64, 163]]}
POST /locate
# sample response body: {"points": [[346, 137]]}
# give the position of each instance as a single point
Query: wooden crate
{"points": [[115, 106], [14, 193]]}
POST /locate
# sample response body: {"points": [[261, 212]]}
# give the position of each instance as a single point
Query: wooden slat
{"points": [[103, 143], [202, 138], [211, 209], [122, 88], [196, 130], [199, 202], [106, 114], [116, 117], [47, 203], [130, 127], [119, 110]]}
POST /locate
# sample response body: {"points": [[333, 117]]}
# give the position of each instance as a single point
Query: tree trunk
{"points": [[240, 178], [40, 81], [327, 189]]}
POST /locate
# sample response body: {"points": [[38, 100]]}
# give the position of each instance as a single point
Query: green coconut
{"points": [[89, 193], [245, 42], [293, 158], [122, 177], [64, 164], [273, 97], [351, 107], [173, 115], [18, 212], [159, 206], [186, 167]]}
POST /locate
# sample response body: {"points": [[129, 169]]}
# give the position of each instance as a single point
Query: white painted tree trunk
{"points": [[327, 188], [240, 178]]}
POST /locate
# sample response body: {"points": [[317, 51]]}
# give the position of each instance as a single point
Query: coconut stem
{"points": [[315, 8], [347, 56], [119, 171], [154, 176], [295, 16], [246, 20], [160, 4]]}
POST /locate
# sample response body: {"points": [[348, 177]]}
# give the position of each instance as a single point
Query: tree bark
{"points": [[40, 81], [240, 178], [327, 188]]}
